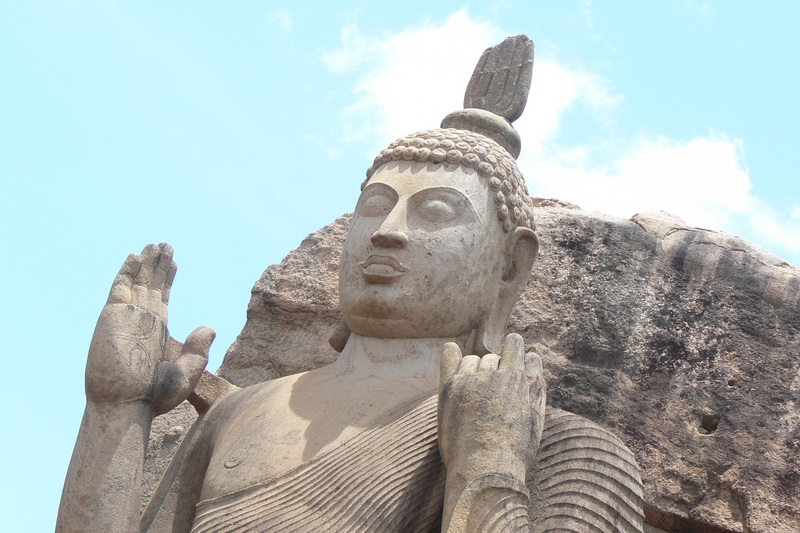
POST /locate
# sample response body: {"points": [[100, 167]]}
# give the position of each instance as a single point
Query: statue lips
{"points": [[382, 269]]}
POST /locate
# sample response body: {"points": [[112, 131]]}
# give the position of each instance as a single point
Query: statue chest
{"points": [[387, 476], [298, 420]]}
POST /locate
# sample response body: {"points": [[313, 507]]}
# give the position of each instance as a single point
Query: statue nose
{"points": [[389, 239]]}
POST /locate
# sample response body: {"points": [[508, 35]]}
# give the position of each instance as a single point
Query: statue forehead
{"points": [[473, 152], [409, 177]]}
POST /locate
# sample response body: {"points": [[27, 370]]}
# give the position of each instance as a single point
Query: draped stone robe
{"points": [[390, 478], [387, 478]]}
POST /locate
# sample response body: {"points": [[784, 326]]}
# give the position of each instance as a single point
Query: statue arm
{"points": [[135, 371], [172, 506], [491, 414], [102, 488]]}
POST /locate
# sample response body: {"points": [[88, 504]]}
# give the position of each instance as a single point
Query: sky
{"points": [[234, 130]]}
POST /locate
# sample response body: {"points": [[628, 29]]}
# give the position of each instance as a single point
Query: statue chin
{"points": [[398, 327], [383, 328]]}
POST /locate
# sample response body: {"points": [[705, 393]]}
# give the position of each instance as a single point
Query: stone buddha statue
{"points": [[431, 419]]}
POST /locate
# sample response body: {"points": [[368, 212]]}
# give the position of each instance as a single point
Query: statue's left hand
{"points": [[491, 409]]}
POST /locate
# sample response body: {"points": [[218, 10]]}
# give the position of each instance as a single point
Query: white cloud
{"points": [[283, 19], [589, 21], [775, 231], [701, 180], [586, 11], [410, 80], [353, 51], [555, 90], [794, 214], [702, 10]]}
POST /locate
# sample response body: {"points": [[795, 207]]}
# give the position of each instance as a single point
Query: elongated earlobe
{"points": [[523, 246], [339, 337]]}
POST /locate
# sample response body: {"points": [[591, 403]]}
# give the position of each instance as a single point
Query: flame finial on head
{"points": [[497, 93]]}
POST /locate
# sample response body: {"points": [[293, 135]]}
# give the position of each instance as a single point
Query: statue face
{"points": [[424, 254]]}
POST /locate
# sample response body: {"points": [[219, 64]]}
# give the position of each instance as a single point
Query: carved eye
{"points": [[437, 211], [439, 205], [376, 202]]}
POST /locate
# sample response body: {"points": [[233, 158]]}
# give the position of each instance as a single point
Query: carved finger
{"points": [[483, 78], [522, 83], [139, 291], [155, 297], [489, 362], [509, 93], [173, 269], [501, 64], [199, 343], [177, 379], [495, 71], [149, 257], [469, 364], [121, 288], [513, 357], [537, 385], [451, 358], [507, 96], [472, 93], [161, 266], [533, 366]]}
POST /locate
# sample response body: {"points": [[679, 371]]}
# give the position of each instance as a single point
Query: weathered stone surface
{"points": [[292, 313], [502, 78], [167, 433], [683, 341]]}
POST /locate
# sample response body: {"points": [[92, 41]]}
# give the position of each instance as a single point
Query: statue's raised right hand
{"points": [[132, 358]]}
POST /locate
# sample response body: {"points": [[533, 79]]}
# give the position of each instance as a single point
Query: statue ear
{"points": [[520, 253]]}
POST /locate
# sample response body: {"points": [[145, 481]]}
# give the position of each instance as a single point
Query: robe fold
{"points": [[390, 479], [387, 478]]}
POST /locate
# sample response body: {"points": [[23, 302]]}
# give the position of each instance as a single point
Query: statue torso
{"points": [[272, 428]]}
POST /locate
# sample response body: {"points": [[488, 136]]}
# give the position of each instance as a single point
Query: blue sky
{"points": [[232, 131]]}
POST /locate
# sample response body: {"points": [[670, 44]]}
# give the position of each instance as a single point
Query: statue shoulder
{"points": [[237, 398], [236, 402]]}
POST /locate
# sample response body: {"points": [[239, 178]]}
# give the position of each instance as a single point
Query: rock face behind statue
{"points": [[682, 341]]}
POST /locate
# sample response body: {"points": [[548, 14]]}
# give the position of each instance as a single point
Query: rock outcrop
{"points": [[683, 341]]}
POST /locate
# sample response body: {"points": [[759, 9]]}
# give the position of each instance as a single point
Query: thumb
{"points": [[536, 382], [175, 380], [537, 396], [194, 355], [199, 342]]}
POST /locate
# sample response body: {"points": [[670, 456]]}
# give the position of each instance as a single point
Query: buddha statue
{"points": [[431, 419]]}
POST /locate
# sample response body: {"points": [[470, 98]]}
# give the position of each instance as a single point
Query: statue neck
{"points": [[392, 358]]}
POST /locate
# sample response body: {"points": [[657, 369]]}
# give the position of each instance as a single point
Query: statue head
{"points": [[442, 240], [441, 243]]}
